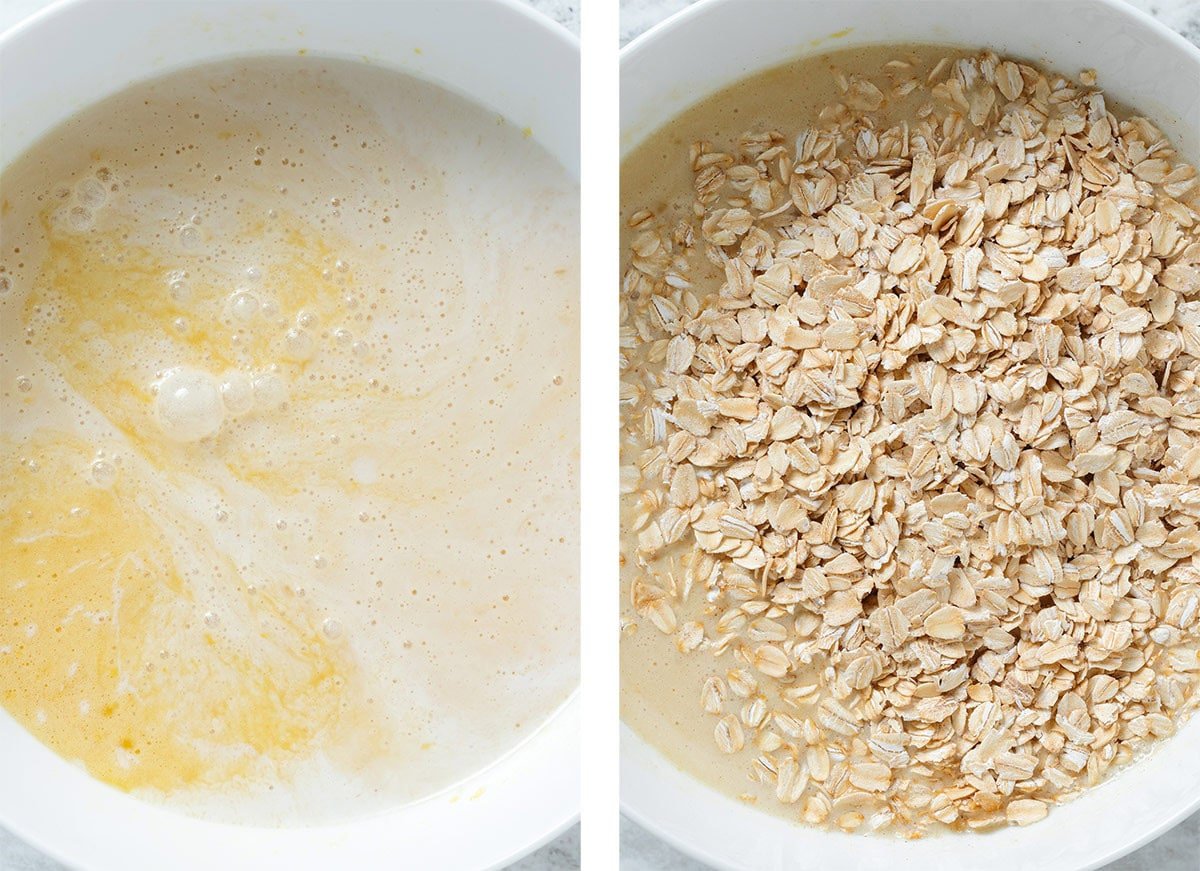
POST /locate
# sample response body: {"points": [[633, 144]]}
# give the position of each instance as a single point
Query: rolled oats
{"points": [[926, 444]]}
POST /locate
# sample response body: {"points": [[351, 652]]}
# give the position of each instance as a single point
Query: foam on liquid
{"points": [[288, 436]]}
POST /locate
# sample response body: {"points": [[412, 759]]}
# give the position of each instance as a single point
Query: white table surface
{"points": [[559, 855], [1178, 849]]}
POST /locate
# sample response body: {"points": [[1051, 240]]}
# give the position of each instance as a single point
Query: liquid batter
{"points": [[288, 394]]}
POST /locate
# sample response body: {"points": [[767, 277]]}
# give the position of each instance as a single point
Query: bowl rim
{"points": [[631, 51], [533, 16], [562, 722], [645, 819], [700, 7], [559, 37]]}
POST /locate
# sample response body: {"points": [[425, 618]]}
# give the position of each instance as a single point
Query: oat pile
{"points": [[921, 472]]}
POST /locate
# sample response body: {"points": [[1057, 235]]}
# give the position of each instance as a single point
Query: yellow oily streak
{"points": [[87, 602], [102, 588], [109, 303]]}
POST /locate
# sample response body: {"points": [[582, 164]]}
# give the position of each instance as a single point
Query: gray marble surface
{"points": [[560, 854], [1178, 849], [565, 12]]}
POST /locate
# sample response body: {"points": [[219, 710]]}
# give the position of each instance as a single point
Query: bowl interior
{"points": [[1140, 63], [498, 54]]}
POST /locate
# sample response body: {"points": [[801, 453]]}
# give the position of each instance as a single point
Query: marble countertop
{"points": [[1178, 849], [560, 854]]}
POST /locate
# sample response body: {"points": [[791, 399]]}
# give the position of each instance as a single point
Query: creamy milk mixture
{"points": [[289, 442]]}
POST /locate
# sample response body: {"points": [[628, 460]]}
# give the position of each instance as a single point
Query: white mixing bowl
{"points": [[716, 43], [497, 53]]}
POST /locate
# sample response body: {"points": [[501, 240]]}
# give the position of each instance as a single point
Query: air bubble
{"points": [[237, 393], [299, 344], [319, 561], [253, 273], [270, 391], [80, 219], [332, 628], [349, 300], [243, 305], [189, 405], [211, 619], [180, 325], [189, 236], [177, 286], [306, 319], [269, 308], [341, 266], [359, 349], [24, 383], [91, 193], [103, 473], [342, 336]]}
